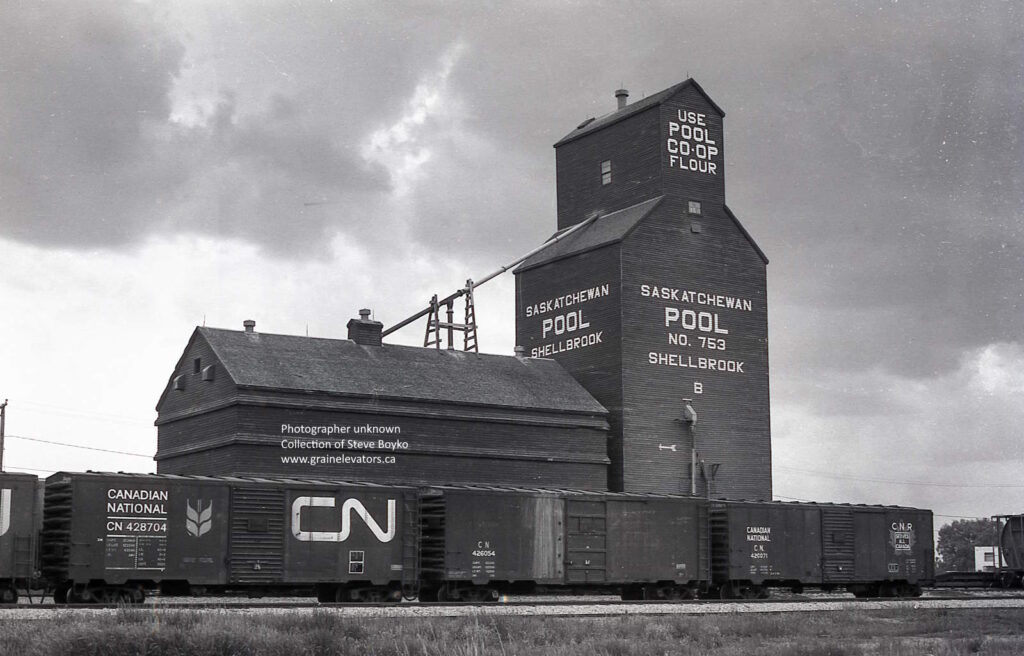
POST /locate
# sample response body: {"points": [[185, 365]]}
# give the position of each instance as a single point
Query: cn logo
{"points": [[350, 506], [198, 520], [5, 510]]}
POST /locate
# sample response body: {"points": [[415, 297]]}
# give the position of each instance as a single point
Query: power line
{"points": [[783, 496], [42, 471], [80, 446], [89, 414], [896, 482]]}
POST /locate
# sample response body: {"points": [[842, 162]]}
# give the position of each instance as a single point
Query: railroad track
{"points": [[551, 608]]}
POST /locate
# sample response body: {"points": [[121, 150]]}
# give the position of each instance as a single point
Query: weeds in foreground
{"points": [[218, 633]]}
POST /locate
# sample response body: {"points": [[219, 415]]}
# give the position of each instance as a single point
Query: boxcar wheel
{"points": [[60, 594], [632, 593], [8, 596], [96, 596], [864, 591]]}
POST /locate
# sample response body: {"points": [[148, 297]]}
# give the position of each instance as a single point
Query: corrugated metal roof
{"points": [[340, 366], [605, 230], [635, 108]]}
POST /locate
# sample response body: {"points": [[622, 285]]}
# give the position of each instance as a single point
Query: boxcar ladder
{"points": [[411, 547], [23, 557]]}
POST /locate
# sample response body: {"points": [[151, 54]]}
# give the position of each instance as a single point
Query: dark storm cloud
{"points": [[264, 178], [84, 90], [92, 159]]}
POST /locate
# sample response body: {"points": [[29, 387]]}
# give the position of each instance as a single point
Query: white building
{"points": [[985, 559]]}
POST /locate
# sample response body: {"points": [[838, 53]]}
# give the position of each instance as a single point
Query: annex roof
{"points": [[342, 367], [604, 230]]}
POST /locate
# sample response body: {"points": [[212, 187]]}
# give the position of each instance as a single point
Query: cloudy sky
{"points": [[165, 166]]}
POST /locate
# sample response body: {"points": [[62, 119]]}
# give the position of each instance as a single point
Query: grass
{"points": [[210, 633]]}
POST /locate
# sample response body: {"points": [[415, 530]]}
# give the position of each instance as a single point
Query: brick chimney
{"points": [[364, 330]]}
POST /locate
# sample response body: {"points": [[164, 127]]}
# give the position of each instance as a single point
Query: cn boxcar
{"points": [[870, 550], [480, 542], [20, 516], [114, 536]]}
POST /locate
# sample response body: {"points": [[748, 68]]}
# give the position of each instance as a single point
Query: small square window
{"points": [[606, 172], [356, 560], [694, 207]]}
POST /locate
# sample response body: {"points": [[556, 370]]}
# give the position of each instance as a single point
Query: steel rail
{"points": [[214, 603]]}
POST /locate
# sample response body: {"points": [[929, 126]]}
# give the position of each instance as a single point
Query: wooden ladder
{"points": [[469, 343], [432, 336]]}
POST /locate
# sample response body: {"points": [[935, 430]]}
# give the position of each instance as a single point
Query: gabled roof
{"points": [[610, 229], [743, 231], [342, 367], [629, 110], [604, 230]]}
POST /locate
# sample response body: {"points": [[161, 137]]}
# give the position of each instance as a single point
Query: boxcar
{"points": [[20, 517], [479, 543], [869, 550], [113, 536]]}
